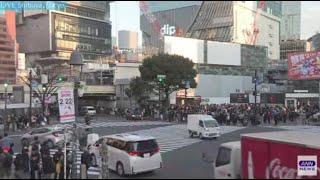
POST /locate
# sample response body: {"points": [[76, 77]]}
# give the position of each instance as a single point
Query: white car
{"points": [[203, 126], [130, 153]]}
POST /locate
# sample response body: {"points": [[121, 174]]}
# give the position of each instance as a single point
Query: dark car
{"points": [[134, 115]]}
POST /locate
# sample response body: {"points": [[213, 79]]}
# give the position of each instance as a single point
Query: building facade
{"points": [[291, 20], [313, 43], [232, 21], [230, 65], [8, 48], [128, 40], [165, 18], [56, 33]]}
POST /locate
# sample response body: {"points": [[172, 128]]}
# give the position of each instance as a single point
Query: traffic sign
{"points": [[66, 105]]}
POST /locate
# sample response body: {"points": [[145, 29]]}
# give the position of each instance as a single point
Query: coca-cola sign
{"points": [[262, 159]]}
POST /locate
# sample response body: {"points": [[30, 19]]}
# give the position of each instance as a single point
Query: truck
{"points": [[270, 155], [204, 126]]}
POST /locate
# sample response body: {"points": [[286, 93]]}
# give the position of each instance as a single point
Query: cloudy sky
{"points": [[125, 16]]}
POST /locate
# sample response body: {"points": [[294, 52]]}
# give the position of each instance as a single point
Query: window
{"points": [[201, 123], [223, 157]]}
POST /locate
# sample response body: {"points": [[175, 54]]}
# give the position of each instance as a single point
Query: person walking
{"points": [[35, 163], [20, 163], [58, 159], [48, 167], [86, 160]]}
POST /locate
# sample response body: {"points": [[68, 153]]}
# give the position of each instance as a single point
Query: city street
{"points": [[182, 156]]}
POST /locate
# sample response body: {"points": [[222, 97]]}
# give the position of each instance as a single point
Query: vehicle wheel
{"points": [[120, 169], [200, 136], [50, 144], [190, 134], [25, 142]]}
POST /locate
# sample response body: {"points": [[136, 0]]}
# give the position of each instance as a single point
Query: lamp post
{"points": [[30, 101], [5, 107], [43, 100], [76, 59]]}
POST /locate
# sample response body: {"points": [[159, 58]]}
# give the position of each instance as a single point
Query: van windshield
{"points": [[210, 123], [144, 146]]}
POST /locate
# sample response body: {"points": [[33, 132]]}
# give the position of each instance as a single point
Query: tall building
{"points": [[232, 21], [291, 20], [161, 18], [128, 40], [54, 34], [8, 47]]}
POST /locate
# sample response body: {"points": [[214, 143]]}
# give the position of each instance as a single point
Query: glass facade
{"points": [[272, 7], [91, 37], [156, 6]]}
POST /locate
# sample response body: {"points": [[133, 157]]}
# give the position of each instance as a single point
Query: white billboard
{"points": [[21, 61], [221, 53], [186, 47]]}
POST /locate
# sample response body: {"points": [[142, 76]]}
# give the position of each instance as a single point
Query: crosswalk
{"points": [[174, 137], [299, 128], [169, 138], [119, 124], [92, 170]]}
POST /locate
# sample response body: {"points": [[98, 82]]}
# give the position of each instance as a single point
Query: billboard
{"points": [[223, 53], [272, 98], [239, 98], [304, 66]]}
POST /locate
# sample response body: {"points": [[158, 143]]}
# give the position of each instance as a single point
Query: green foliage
{"points": [[177, 69], [140, 90]]}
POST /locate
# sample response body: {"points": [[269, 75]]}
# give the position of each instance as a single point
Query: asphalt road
{"points": [[179, 163], [187, 162]]}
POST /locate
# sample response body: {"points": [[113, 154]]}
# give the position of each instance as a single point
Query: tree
{"points": [[50, 88], [140, 90], [176, 68]]}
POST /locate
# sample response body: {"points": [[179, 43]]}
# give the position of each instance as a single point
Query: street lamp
{"points": [[43, 99], [5, 107], [76, 60]]}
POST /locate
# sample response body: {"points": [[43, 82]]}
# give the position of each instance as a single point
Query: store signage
{"points": [[66, 105], [168, 30]]}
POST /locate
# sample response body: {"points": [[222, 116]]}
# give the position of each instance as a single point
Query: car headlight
{"points": [[206, 129]]}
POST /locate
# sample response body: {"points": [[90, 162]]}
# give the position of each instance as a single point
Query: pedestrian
{"points": [[2, 160], [44, 150], [69, 163], [7, 142], [35, 163], [48, 167], [19, 164], [86, 160], [58, 159], [26, 159]]}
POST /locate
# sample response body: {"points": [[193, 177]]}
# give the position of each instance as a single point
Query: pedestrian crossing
{"points": [[174, 137], [119, 124], [169, 138], [300, 128], [92, 170]]}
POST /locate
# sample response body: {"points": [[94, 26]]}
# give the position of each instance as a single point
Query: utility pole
{"points": [[255, 94], [30, 105], [5, 108], [104, 154]]}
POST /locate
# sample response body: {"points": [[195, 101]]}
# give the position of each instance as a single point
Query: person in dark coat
{"points": [[35, 162], [47, 166], [86, 159]]}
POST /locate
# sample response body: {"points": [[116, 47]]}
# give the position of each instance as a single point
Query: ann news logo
{"points": [[307, 166]]}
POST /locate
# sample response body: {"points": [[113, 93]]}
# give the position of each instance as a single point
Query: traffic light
{"points": [[61, 78]]}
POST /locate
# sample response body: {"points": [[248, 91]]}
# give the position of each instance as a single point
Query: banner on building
{"points": [[21, 61], [304, 66], [66, 105], [272, 98], [239, 98]]}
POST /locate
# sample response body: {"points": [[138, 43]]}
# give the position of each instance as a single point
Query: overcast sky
{"points": [[125, 15]]}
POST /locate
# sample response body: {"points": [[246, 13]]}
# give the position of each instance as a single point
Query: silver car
{"points": [[53, 136]]}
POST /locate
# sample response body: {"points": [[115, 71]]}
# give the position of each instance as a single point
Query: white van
{"points": [[204, 126], [131, 153]]}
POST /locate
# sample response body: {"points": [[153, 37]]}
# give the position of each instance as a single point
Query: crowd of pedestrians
{"points": [[235, 114]]}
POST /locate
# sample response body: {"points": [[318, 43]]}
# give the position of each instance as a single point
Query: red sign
{"points": [[262, 159], [304, 66]]}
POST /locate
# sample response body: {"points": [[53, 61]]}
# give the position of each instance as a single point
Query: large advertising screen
{"points": [[304, 66], [239, 98], [272, 98]]}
